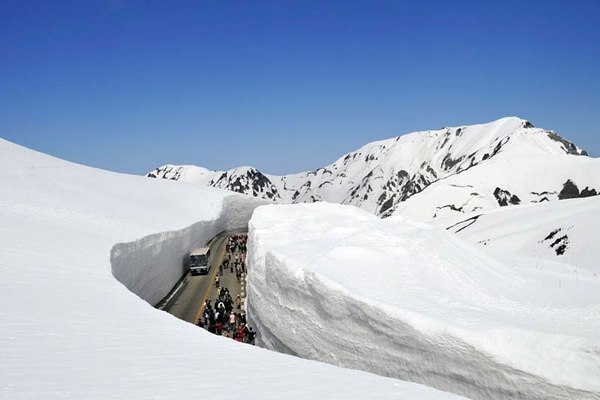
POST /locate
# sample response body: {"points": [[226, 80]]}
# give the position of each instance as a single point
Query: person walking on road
{"points": [[217, 281]]}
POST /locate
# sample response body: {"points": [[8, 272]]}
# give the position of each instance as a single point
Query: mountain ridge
{"points": [[383, 175]]}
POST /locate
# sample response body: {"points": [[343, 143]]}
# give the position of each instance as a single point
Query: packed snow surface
{"points": [[70, 329], [409, 300]]}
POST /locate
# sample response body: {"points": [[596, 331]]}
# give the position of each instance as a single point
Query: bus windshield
{"points": [[199, 259]]}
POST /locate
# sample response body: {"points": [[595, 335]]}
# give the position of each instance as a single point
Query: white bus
{"points": [[198, 261]]}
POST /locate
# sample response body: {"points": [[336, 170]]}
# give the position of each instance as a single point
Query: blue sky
{"points": [[286, 86]]}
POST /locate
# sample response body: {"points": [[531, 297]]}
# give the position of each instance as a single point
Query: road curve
{"points": [[188, 301]]}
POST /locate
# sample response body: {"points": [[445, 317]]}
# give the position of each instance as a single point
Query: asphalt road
{"points": [[187, 303]]}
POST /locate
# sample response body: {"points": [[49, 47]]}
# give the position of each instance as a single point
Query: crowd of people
{"points": [[235, 260], [236, 255], [223, 320], [225, 316]]}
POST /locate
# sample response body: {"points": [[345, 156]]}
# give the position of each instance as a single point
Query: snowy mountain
{"points": [[428, 174], [246, 180]]}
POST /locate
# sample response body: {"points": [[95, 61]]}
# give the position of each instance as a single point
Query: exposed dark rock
{"points": [[504, 197], [409, 189], [560, 245], [387, 205], [448, 163], [587, 192], [499, 146], [431, 171], [552, 234], [544, 198], [569, 191], [450, 206], [560, 249], [543, 193], [402, 175], [464, 224], [461, 186], [446, 139], [528, 124], [514, 200], [568, 147]]}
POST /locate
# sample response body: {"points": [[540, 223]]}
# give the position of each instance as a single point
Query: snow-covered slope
{"points": [[71, 330], [508, 179], [559, 235], [485, 166], [412, 301]]}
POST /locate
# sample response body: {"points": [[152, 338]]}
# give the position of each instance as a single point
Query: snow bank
{"points": [[70, 330], [404, 299]]}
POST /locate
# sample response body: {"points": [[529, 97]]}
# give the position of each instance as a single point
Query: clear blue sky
{"points": [[286, 86]]}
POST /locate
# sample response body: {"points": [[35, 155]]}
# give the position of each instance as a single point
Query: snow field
{"points": [[496, 233], [403, 299]]}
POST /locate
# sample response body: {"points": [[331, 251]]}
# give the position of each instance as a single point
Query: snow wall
{"points": [[151, 266], [333, 284]]}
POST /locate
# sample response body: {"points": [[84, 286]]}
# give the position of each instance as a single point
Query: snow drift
{"points": [[71, 330], [404, 299]]}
